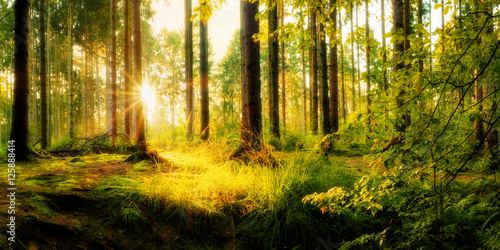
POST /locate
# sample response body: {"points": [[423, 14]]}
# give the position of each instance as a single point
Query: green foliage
{"points": [[133, 219]]}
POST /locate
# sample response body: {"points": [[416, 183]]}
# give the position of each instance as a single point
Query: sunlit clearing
{"points": [[148, 96]]}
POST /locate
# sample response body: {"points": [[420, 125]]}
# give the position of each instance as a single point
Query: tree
{"points": [[188, 36], [314, 83], [140, 136], [70, 73], [273, 59], [333, 80], [20, 130], [251, 119], [43, 77], [127, 71], [204, 79], [368, 76], [112, 88], [323, 69], [283, 71]]}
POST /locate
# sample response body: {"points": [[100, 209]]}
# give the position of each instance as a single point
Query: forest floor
{"points": [[92, 202]]}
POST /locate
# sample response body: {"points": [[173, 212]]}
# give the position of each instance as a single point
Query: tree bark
{"points": [[333, 68], [70, 74], [127, 72], [20, 129], [113, 71], [43, 77], [140, 134], [353, 80], [368, 76], [189, 68], [325, 102], [204, 119], [251, 121], [283, 70], [273, 60], [314, 85]]}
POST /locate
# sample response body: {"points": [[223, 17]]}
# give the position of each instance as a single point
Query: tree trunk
{"points": [[357, 55], [384, 52], [334, 81], [43, 77], [113, 71], [189, 68], [314, 86], [352, 61], [20, 129], [204, 119], [251, 121], [140, 135], [273, 60], [70, 74], [344, 108], [127, 72], [368, 76], [325, 102], [283, 71]]}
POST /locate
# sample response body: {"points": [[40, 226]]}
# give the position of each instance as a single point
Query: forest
{"points": [[315, 125]]}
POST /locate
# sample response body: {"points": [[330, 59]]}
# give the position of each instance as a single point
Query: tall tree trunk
{"points": [[407, 115], [384, 52], [251, 121], [398, 28], [140, 135], [113, 71], [325, 102], [127, 72], [357, 54], [283, 70], [344, 108], [314, 86], [353, 78], [334, 81], [189, 68], [70, 74], [368, 74], [43, 77], [491, 140], [273, 59], [205, 117], [20, 129], [304, 89]]}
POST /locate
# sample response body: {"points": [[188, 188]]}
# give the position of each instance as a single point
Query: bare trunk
{"points": [[325, 102], [189, 68], [43, 78], [273, 60], [140, 134], [204, 119], [334, 81], [314, 85]]}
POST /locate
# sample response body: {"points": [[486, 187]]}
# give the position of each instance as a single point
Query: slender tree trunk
{"points": [[251, 121], [127, 72], [189, 68], [283, 70], [205, 117], [314, 86], [384, 51], [113, 71], [334, 81], [368, 74], [20, 129], [273, 60], [407, 115], [304, 90], [357, 54], [353, 77], [325, 102], [344, 108], [70, 74], [140, 134], [43, 77]]}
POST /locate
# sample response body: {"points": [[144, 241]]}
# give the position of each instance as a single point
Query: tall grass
{"points": [[264, 205]]}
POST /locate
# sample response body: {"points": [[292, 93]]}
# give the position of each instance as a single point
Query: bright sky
{"points": [[221, 26], [225, 22]]}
